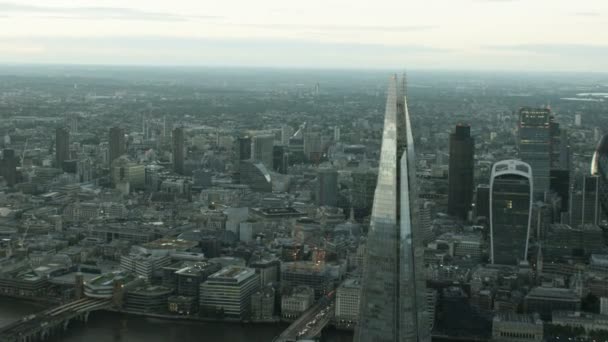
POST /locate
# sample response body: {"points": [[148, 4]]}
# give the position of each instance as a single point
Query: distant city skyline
{"points": [[522, 35]]}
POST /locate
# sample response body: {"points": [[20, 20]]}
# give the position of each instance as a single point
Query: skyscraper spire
{"points": [[393, 305]]}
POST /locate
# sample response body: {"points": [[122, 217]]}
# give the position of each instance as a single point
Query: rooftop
{"points": [[107, 279], [233, 273], [352, 283], [517, 318], [552, 293], [177, 244]]}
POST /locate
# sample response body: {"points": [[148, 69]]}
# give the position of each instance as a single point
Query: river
{"points": [[109, 326]]}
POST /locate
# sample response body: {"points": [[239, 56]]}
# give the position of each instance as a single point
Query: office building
{"points": [[267, 270], [482, 201], [62, 146], [256, 175], [535, 146], [262, 304], [190, 278], [461, 168], [546, 300], [564, 242], [510, 211], [8, 166], [178, 150], [560, 147], [296, 300], [585, 202], [327, 187], [511, 327], [117, 146], [123, 170], [243, 148], [590, 322], [262, 150], [393, 296], [228, 292], [143, 264], [147, 298], [306, 273], [560, 184], [348, 297], [313, 146], [280, 156], [599, 168], [362, 192]]}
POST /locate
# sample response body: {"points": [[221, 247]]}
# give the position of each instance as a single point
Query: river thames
{"points": [[109, 326]]}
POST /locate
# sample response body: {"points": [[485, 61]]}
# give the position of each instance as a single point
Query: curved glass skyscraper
{"points": [[393, 303], [511, 198]]}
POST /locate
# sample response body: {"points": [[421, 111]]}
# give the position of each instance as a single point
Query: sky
{"points": [[523, 35]]}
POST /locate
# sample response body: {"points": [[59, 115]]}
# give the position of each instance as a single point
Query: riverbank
{"points": [[104, 326], [194, 318]]}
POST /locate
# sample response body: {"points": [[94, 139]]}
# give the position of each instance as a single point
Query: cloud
{"points": [[170, 42], [379, 28], [157, 50], [116, 13], [553, 49]]}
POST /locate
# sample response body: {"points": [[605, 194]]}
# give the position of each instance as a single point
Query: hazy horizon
{"points": [[510, 35]]}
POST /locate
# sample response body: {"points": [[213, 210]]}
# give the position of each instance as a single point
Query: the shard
{"points": [[393, 296]]}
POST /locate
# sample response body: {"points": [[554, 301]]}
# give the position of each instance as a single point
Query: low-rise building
{"points": [[182, 305], [103, 286], [296, 301], [577, 319], [545, 300], [147, 298], [517, 328]]}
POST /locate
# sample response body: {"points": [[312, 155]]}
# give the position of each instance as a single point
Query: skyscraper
{"points": [[280, 158], [510, 211], [178, 150], [261, 149], [327, 187], [535, 146], [8, 166], [393, 296], [599, 167], [244, 148], [117, 143], [62, 146], [362, 191], [460, 186], [585, 203]]}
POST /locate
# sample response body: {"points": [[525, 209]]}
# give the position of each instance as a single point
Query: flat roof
{"points": [[165, 243], [107, 279], [232, 272]]}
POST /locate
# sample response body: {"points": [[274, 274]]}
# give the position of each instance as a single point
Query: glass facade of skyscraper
{"points": [[510, 211], [599, 168], [535, 146], [393, 303]]}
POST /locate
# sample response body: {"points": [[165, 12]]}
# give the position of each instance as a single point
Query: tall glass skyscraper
{"points": [[393, 296], [535, 146], [510, 211], [599, 167], [462, 164]]}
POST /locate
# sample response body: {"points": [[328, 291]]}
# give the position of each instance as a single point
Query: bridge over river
{"points": [[39, 326]]}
